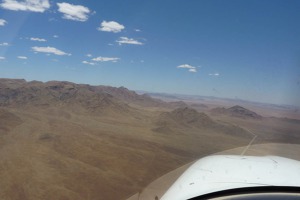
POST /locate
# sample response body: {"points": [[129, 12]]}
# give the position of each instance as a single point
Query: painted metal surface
{"points": [[222, 172]]}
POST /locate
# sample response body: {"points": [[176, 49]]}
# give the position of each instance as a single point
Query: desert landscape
{"points": [[61, 140]]}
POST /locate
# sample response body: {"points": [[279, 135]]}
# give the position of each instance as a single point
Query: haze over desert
{"points": [[61, 140]]}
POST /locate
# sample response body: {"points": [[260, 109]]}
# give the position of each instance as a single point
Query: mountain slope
{"points": [[60, 140], [186, 117], [8, 121], [237, 111], [188, 120], [77, 97]]}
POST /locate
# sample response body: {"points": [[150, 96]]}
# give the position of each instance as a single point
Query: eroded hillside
{"points": [[61, 140]]}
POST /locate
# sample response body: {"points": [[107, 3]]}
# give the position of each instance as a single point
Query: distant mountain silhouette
{"points": [[237, 111], [77, 141], [19, 93], [130, 97], [186, 116], [186, 119]]}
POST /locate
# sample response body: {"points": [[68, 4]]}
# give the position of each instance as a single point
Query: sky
{"points": [[247, 49]]}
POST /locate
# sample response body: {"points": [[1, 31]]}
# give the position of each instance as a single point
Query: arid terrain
{"points": [[60, 140]]}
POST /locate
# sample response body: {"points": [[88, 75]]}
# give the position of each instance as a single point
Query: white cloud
{"points": [[4, 44], [105, 59], [88, 63], [126, 40], [74, 12], [186, 66], [50, 50], [189, 67], [55, 36], [3, 22], [26, 5], [89, 55], [193, 70], [38, 39], [22, 57], [2, 58], [137, 30], [111, 26], [214, 74]]}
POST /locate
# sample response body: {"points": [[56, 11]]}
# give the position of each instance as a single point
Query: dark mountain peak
{"points": [[186, 116], [237, 108], [185, 111], [123, 88], [240, 111], [59, 94], [8, 80], [237, 111], [60, 84], [131, 97], [11, 83]]}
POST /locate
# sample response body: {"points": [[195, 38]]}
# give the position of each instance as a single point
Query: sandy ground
{"points": [[52, 153]]}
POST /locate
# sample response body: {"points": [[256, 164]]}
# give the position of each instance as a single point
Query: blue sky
{"points": [[235, 49]]}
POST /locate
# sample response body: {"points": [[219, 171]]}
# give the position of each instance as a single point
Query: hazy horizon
{"points": [[171, 94], [228, 49]]}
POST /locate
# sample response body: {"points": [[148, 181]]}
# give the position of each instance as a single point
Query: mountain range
{"points": [[61, 140]]}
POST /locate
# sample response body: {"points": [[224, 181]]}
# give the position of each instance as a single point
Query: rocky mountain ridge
{"points": [[237, 111]]}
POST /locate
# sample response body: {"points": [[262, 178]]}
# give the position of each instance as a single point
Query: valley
{"points": [[61, 140]]}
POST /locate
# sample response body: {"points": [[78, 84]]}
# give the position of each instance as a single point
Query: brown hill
{"points": [[8, 121], [177, 104], [18, 92], [188, 120], [78, 97], [237, 111], [130, 97], [185, 116], [47, 156], [11, 83], [60, 140]]}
